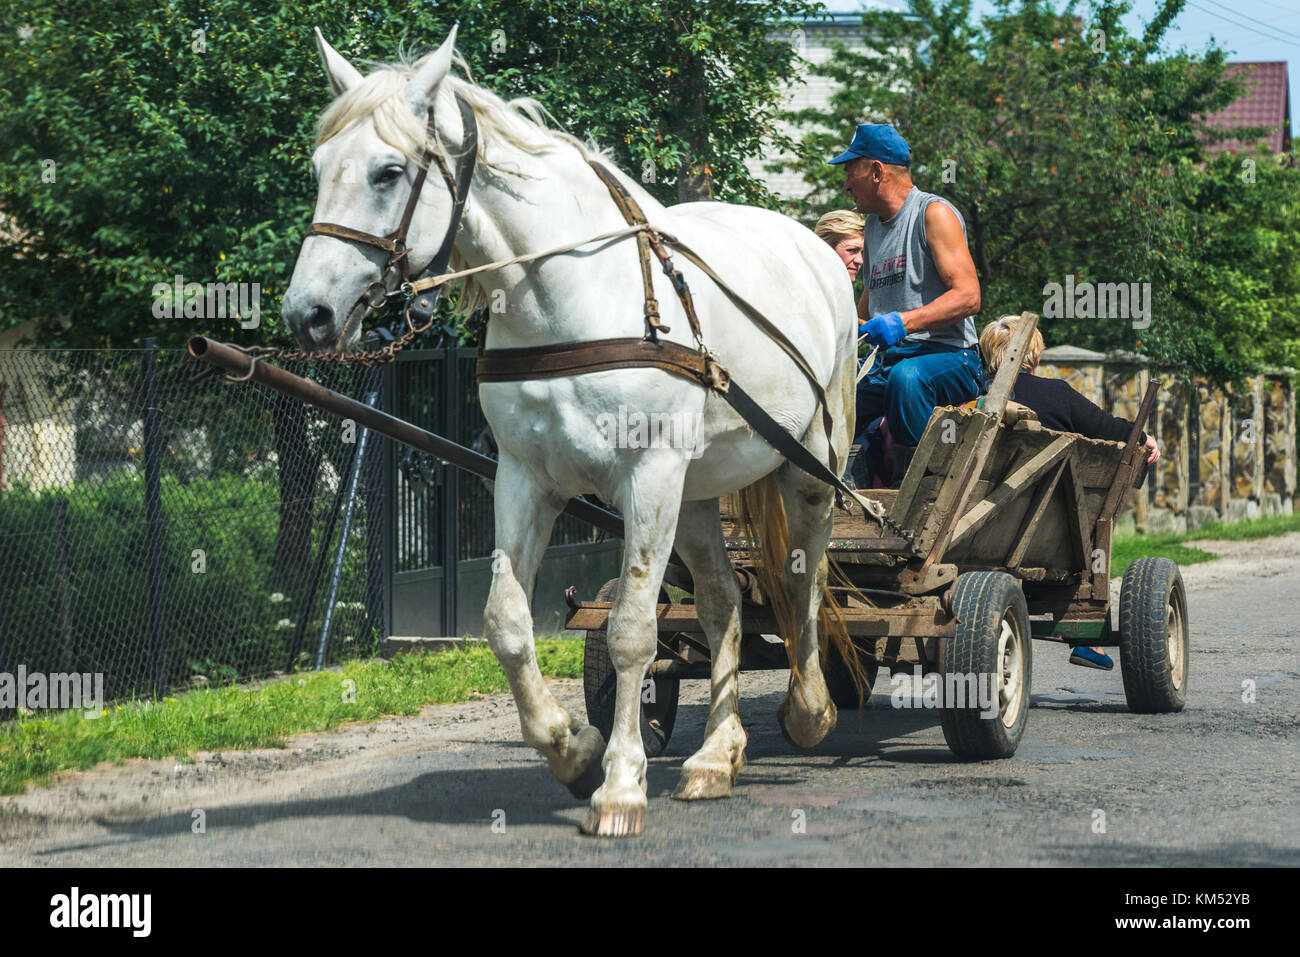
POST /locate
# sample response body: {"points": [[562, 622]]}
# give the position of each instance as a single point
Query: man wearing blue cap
{"points": [[920, 292]]}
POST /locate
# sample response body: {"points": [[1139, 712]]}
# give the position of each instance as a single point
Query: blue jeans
{"points": [[912, 378]]}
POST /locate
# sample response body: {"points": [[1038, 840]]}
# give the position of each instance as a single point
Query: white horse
{"points": [[534, 190]]}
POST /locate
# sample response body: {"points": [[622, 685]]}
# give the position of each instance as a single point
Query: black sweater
{"points": [[1061, 408]]}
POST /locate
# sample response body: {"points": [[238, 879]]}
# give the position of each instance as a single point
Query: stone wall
{"points": [[1226, 454]]}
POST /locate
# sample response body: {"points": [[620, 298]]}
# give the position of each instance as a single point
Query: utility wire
{"points": [[1267, 36], [1264, 23]]}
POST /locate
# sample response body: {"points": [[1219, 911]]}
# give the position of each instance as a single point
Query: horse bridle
{"points": [[394, 276]]}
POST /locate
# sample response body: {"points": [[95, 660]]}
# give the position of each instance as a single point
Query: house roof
{"points": [[1266, 102]]}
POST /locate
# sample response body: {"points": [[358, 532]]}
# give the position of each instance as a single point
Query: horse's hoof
{"points": [[780, 720], [805, 739], [584, 785], [703, 786], [613, 821]]}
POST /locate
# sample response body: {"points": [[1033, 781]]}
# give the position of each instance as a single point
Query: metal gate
{"points": [[439, 520]]}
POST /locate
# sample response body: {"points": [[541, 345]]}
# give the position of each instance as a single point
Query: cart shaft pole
{"points": [[236, 362]]}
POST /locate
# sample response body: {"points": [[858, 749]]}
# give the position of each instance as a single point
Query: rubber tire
{"points": [[1149, 586], [600, 686], [840, 683], [981, 602]]}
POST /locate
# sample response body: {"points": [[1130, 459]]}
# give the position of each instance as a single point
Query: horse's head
{"points": [[368, 156]]}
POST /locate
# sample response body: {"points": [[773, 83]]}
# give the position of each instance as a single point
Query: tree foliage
{"points": [[136, 149], [1074, 148]]}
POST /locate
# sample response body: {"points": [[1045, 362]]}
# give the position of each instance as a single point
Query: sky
{"points": [[1254, 30]]}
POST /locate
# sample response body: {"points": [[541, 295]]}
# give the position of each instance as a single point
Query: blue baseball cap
{"points": [[877, 141]]}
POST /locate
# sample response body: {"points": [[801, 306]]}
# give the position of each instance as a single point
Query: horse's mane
{"points": [[521, 122]]}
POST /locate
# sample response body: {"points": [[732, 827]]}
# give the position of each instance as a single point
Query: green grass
{"points": [[260, 716], [1127, 548]]}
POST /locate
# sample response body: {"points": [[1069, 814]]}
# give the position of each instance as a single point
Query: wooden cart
{"points": [[1006, 537]]}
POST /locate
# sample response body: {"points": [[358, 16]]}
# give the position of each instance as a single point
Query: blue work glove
{"points": [[884, 330]]}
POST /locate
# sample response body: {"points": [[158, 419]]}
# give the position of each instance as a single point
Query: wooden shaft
{"points": [[238, 363]]}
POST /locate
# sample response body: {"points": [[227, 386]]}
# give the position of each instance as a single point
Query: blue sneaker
{"points": [[1083, 655]]}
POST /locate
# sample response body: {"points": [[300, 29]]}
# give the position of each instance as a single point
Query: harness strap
{"points": [[632, 212], [385, 243], [416, 187], [779, 337], [603, 355], [395, 241], [597, 355], [635, 216], [421, 309]]}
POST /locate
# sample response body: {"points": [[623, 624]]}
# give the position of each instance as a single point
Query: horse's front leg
{"points": [[650, 508], [525, 513]]}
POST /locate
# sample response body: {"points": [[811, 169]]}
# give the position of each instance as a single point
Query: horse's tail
{"points": [[760, 518]]}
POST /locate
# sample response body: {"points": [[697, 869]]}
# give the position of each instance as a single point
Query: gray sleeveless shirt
{"points": [[900, 273]]}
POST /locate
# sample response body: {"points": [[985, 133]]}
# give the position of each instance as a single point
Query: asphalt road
{"points": [[1214, 785]]}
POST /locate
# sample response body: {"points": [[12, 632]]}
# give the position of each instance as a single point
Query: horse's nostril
{"points": [[320, 317]]}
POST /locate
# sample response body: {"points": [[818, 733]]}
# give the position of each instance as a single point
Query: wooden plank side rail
{"points": [[1021, 480], [860, 622], [1124, 473]]}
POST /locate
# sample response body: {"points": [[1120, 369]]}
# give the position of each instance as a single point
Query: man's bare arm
{"points": [[952, 259]]}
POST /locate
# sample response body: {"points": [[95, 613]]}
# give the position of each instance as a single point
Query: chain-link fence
{"points": [[165, 532]]}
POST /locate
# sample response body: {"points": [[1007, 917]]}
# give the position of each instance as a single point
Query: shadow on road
{"points": [[530, 796], [453, 796]]}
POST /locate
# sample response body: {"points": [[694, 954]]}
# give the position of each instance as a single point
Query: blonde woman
{"points": [[1061, 408], [842, 231]]}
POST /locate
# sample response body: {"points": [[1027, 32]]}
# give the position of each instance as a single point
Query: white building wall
{"points": [[809, 92]]}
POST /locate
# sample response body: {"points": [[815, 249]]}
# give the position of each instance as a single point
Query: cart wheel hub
{"points": [[1174, 642], [1011, 685]]}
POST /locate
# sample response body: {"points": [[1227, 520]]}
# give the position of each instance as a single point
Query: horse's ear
{"points": [[422, 86], [342, 74]]}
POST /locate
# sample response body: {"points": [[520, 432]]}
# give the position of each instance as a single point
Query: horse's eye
{"points": [[389, 175]]}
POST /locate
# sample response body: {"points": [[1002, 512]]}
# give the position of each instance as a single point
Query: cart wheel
{"points": [[1153, 640], [840, 683], [599, 685], [992, 639]]}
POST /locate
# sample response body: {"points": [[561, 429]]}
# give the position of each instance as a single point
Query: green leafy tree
{"points": [[1073, 148], [1240, 254], [142, 140]]}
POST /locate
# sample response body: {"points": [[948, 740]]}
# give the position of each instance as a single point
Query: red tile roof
{"points": [[1266, 102]]}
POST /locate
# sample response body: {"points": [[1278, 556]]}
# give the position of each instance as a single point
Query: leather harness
{"points": [[699, 365]]}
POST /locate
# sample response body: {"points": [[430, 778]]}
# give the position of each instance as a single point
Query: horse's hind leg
{"points": [[524, 516], [807, 715], [712, 770]]}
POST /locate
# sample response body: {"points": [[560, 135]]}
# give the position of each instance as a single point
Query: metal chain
{"points": [[902, 532], [366, 359], [881, 517]]}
